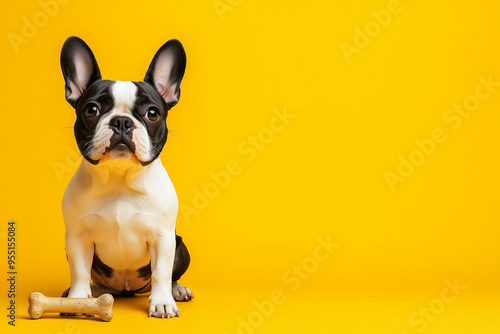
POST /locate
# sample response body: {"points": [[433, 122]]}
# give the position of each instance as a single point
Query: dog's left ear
{"points": [[166, 71]]}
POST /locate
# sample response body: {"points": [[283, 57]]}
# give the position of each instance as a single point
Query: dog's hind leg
{"points": [[181, 264]]}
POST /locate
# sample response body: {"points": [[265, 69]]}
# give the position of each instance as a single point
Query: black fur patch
{"points": [[182, 259], [145, 272], [99, 267]]}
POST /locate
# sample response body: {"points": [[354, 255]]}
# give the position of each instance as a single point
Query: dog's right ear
{"points": [[79, 68]]}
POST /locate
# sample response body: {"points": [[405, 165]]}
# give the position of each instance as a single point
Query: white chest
{"points": [[119, 218]]}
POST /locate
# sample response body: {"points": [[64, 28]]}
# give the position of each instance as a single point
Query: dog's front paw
{"points": [[163, 307], [85, 292], [77, 293]]}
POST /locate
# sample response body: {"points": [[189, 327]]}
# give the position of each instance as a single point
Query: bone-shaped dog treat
{"points": [[102, 306]]}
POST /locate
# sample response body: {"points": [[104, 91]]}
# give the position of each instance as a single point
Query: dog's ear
{"points": [[79, 68], [166, 71]]}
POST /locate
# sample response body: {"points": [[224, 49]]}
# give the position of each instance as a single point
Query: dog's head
{"points": [[121, 119]]}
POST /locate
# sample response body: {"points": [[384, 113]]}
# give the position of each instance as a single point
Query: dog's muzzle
{"points": [[121, 140]]}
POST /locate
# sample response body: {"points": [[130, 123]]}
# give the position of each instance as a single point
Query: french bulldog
{"points": [[120, 207]]}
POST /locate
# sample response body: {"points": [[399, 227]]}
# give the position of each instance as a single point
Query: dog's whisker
{"points": [[173, 132], [66, 127], [87, 147], [157, 150]]}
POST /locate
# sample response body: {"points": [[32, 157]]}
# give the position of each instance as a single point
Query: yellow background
{"points": [[322, 176]]}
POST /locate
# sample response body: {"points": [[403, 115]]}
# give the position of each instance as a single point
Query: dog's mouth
{"points": [[119, 149], [114, 146], [121, 146]]}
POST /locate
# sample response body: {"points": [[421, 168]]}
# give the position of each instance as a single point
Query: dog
{"points": [[120, 207]]}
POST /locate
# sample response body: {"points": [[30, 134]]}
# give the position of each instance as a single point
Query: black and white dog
{"points": [[120, 206]]}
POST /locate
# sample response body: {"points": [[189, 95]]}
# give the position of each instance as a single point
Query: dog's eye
{"points": [[153, 114], [92, 110]]}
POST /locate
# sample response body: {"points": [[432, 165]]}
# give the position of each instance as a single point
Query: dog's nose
{"points": [[121, 124]]}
